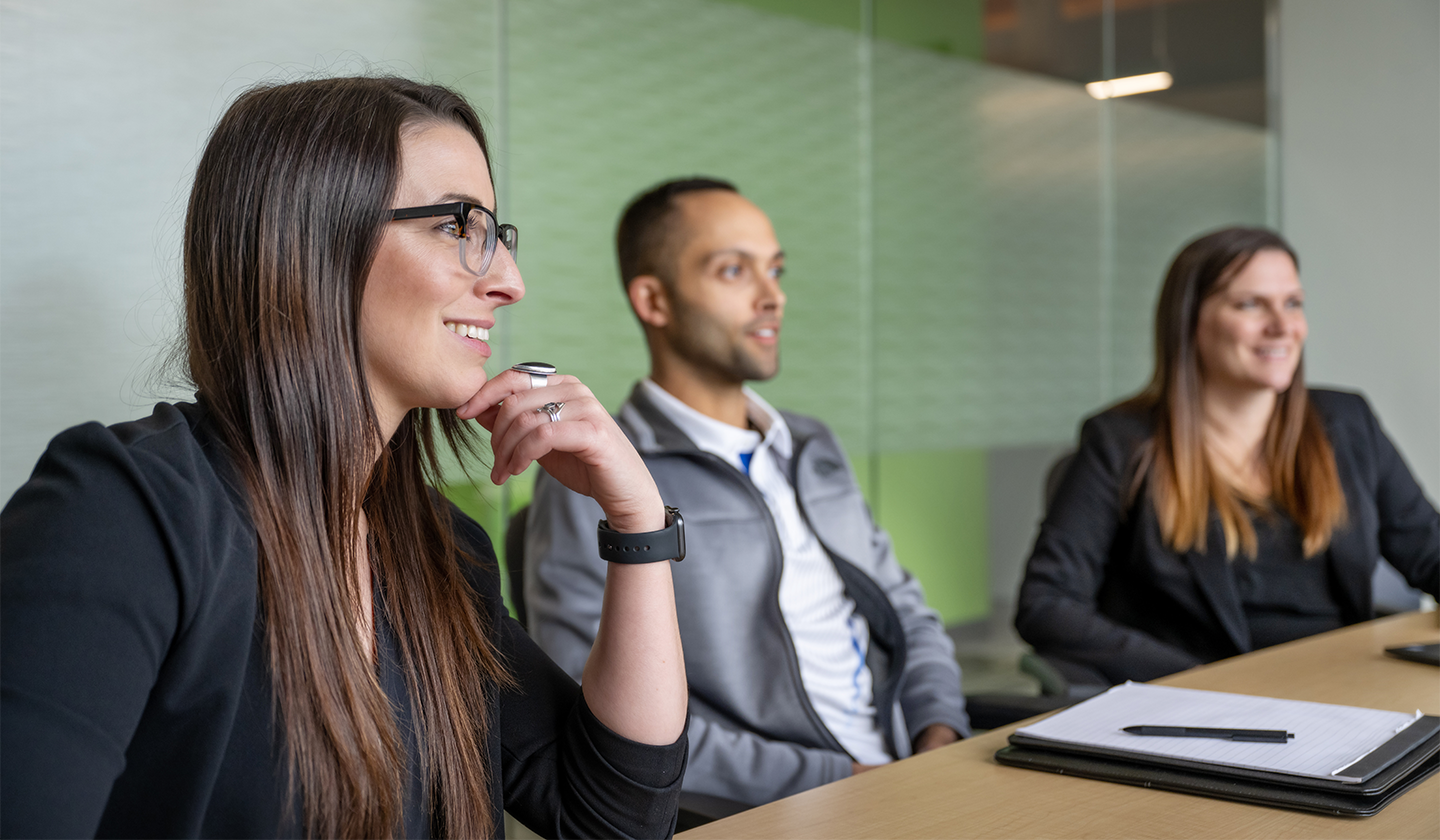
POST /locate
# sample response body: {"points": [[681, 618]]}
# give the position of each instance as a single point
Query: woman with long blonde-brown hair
{"points": [[250, 615], [1226, 507]]}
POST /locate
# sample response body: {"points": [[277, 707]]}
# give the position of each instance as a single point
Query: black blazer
{"points": [[137, 699], [1103, 592]]}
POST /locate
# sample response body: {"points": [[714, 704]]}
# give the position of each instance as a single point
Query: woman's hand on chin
{"points": [[583, 450], [634, 678]]}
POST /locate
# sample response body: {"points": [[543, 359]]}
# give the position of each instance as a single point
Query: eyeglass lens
{"points": [[510, 238], [477, 247]]}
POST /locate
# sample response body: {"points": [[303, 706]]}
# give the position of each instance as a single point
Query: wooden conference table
{"points": [[959, 790]]}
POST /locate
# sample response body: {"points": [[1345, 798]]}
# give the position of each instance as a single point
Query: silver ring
{"points": [[552, 409], [540, 372]]}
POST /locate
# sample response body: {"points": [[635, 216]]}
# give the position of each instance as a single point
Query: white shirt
{"points": [[830, 637]]}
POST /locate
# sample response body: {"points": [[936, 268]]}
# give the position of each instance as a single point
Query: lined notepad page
{"points": [[1327, 738]]}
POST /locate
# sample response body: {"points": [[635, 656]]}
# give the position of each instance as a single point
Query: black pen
{"points": [[1266, 736]]}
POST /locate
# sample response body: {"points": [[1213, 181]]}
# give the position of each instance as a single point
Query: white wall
{"points": [[104, 107], [1360, 201]]}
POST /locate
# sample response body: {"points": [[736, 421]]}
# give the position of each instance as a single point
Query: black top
{"points": [[1103, 593], [135, 697], [1285, 596], [418, 814]]}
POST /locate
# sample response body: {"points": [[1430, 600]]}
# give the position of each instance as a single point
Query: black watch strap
{"points": [[668, 543]]}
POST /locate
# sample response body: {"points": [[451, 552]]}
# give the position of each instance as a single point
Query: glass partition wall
{"points": [[973, 250], [974, 243]]}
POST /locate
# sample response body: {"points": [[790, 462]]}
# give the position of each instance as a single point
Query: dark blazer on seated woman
{"points": [[1104, 597]]}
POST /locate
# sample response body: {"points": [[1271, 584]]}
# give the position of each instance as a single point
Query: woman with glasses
{"points": [[250, 615], [1226, 507]]}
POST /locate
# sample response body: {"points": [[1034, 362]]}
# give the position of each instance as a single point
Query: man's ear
{"points": [[650, 300]]}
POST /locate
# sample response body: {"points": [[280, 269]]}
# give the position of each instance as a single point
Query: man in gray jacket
{"points": [[810, 652]]}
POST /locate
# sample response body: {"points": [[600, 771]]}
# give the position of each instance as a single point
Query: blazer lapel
{"points": [[1352, 581], [1212, 574]]}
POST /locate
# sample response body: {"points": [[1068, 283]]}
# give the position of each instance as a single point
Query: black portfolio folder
{"points": [[1394, 768]]}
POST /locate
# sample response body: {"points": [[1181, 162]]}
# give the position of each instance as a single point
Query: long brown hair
{"points": [[285, 218], [1183, 485]]}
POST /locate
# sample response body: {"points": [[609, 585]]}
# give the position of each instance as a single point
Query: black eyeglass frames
{"points": [[477, 230]]}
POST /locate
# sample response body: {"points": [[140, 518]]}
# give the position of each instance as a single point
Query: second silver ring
{"points": [[552, 409]]}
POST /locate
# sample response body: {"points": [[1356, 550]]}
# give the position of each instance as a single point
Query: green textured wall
{"points": [[933, 505], [845, 14], [951, 27]]}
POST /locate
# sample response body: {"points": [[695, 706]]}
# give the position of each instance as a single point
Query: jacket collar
{"points": [[649, 428], [652, 430]]}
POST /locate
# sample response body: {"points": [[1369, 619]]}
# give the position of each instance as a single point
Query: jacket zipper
{"points": [[884, 717], [792, 660]]}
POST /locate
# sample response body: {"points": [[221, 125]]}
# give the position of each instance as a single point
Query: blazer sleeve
{"points": [[563, 772], [89, 603], [1409, 523], [1058, 611]]}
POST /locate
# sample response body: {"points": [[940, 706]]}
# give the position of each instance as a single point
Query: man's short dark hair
{"points": [[643, 239]]}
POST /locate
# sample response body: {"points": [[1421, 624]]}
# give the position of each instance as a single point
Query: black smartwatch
{"points": [[668, 543]]}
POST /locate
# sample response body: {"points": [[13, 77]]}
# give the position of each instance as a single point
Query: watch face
{"points": [[678, 523]]}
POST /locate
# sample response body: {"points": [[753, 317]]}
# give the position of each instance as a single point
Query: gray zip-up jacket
{"points": [[754, 735]]}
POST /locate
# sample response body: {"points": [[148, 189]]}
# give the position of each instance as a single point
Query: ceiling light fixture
{"points": [[1130, 85]]}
